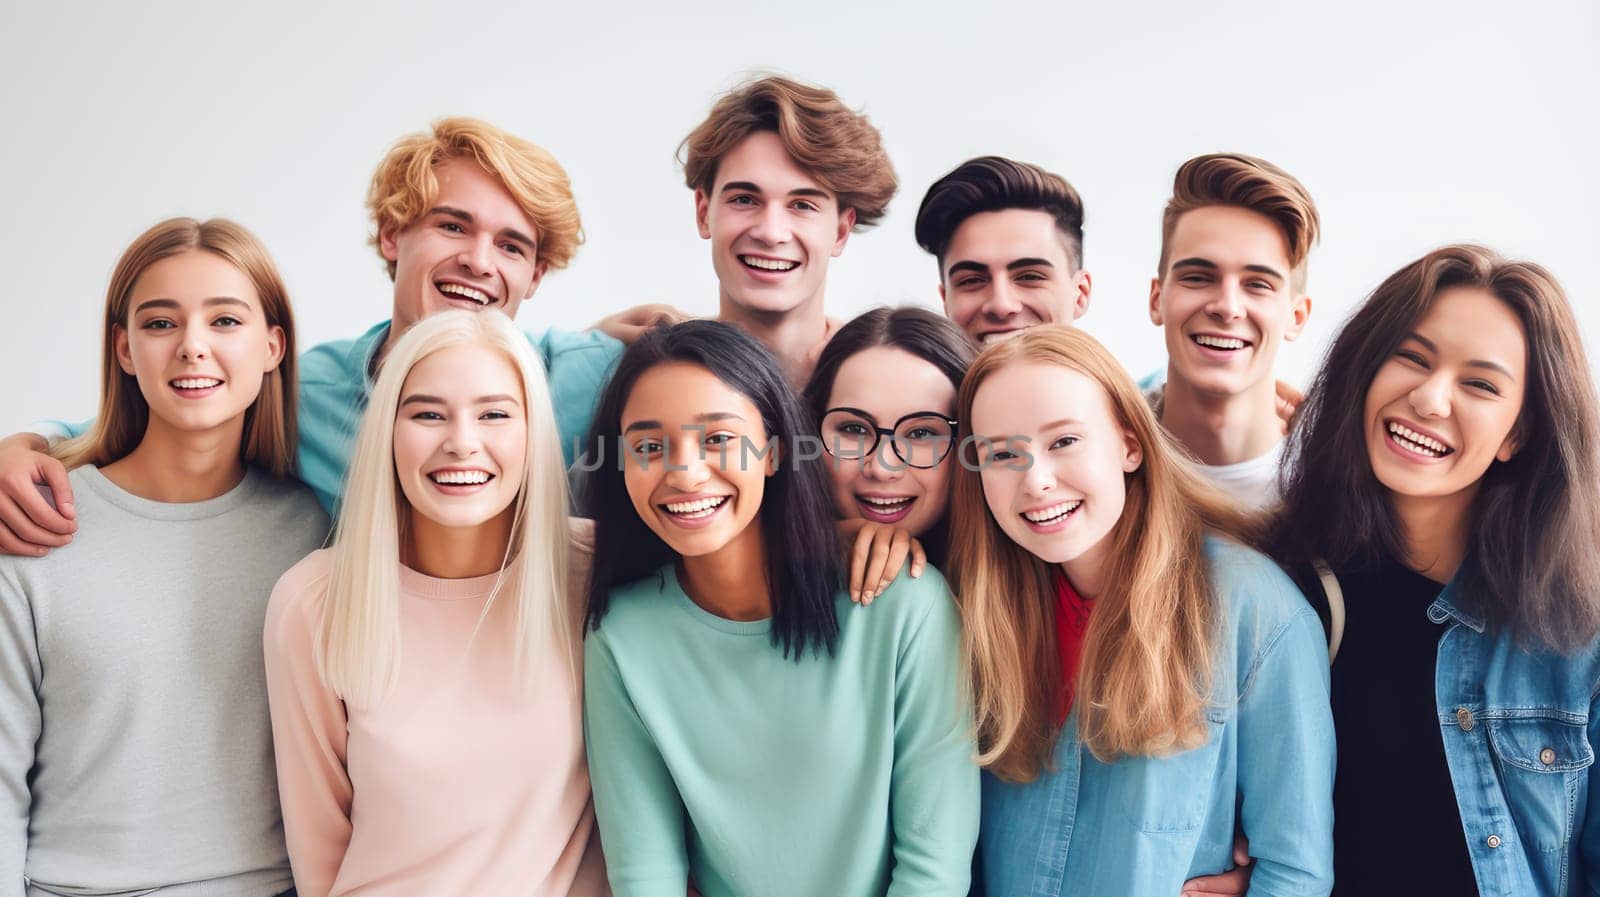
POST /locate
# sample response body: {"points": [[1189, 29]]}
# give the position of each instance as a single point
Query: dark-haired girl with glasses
{"points": [[748, 728], [884, 395]]}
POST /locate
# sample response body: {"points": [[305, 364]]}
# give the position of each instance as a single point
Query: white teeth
{"points": [[990, 339], [456, 289], [196, 382], [768, 264], [700, 507], [1052, 513], [897, 502], [1415, 441], [459, 477], [1219, 342]]}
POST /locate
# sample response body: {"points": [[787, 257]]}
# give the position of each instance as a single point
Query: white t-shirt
{"points": [[1254, 483]]}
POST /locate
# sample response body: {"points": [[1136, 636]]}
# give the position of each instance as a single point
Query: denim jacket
{"points": [[1520, 728], [1141, 826]]}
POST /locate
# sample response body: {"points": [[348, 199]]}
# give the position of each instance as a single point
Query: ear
{"points": [[539, 270], [1155, 301], [1082, 281], [1132, 452], [944, 301], [119, 336], [847, 223], [774, 455], [1511, 446], [388, 245], [1299, 313], [275, 343], [702, 209]]}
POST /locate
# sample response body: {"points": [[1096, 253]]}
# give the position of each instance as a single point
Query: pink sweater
{"points": [[460, 781]]}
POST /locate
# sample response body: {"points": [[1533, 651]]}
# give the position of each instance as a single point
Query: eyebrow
{"points": [[418, 398], [708, 417], [1475, 363], [173, 303], [465, 217], [1209, 265], [752, 187], [981, 268]]}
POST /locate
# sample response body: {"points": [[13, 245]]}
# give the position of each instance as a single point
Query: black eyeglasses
{"points": [[920, 439]]}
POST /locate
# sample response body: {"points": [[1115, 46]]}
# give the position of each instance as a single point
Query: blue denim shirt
{"points": [[1520, 729], [1143, 825]]}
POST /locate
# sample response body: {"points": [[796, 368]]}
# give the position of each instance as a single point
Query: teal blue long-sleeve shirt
{"points": [[714, 758]]}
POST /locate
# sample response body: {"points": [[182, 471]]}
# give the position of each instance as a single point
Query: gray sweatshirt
{"points": [[135, 743]]}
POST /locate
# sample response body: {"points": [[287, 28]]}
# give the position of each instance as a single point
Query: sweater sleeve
{"points": [[636, 802], [19, 726], [934, 793], [1286, 760], [309, 733]]}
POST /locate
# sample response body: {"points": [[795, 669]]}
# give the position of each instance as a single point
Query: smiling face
{"points": [[1225, 300], [1444, 406], [473, 249], [772, 228], [461, 436], [691, 465], [1010, 270], [198, 342], [1061, 505], [890, 385]]}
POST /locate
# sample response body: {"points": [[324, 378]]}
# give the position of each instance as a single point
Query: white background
{"points": [[1413, 125]]}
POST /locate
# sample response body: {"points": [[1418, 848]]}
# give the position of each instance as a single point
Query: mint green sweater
{"points": [[715, 758]]}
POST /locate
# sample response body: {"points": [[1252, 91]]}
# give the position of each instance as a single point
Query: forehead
{"points": [[761, 159], [194, 274], [1229, 236], [1472, 324], [463, 371], [675, 393], [469, 187], [995, 238], [888, 382], [1022, 396]]}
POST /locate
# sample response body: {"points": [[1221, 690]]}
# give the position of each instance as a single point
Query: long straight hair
{"points": [[358, 647], [1148, 652], [1531, 565], [798, 533], [925, 334], [270, 432]]}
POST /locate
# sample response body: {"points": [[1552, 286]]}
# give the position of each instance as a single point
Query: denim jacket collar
{"points": [[1449, 605]]}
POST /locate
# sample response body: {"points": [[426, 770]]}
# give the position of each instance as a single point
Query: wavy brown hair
{"points": [[835, 144], [994, 184], [1531, 564], [1148, 653], [1234, 179], [270, 435]]}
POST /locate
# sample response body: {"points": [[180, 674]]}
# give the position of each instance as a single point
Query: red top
{"points": [[1072, 621]]}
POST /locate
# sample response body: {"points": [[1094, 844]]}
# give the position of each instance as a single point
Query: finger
{"points": [[11, 545], [1241, 850], [899, 550], [919, 558], [858, 562], [880, 561], [55, 476], [15, 518]]}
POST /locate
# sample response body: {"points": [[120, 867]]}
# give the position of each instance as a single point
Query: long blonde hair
{"points": [[1147, 655], [358, 648], [270, 434]]}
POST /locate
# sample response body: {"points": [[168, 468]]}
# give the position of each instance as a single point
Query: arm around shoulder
{"points": [[308, 731]]}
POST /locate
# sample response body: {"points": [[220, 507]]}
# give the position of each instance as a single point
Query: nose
{"points": [[196, 345], [1227, 303], [883, 465], [772, 225], [687, 465], [462, 440], [1040, 478], [477, 255], [1002, 301], [1431, 397]]}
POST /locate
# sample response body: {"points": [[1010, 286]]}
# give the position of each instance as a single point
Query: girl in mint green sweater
{"points": [[748, 728]]}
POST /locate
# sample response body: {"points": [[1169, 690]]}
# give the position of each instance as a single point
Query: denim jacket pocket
{"points": [[1177, 792], [1543, 765]]}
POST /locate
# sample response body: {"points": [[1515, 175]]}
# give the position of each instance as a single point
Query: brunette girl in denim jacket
{"points": [[1144, 684], [1445, 469]]}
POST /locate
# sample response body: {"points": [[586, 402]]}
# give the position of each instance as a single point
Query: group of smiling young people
{"points": [[774, 604]]}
